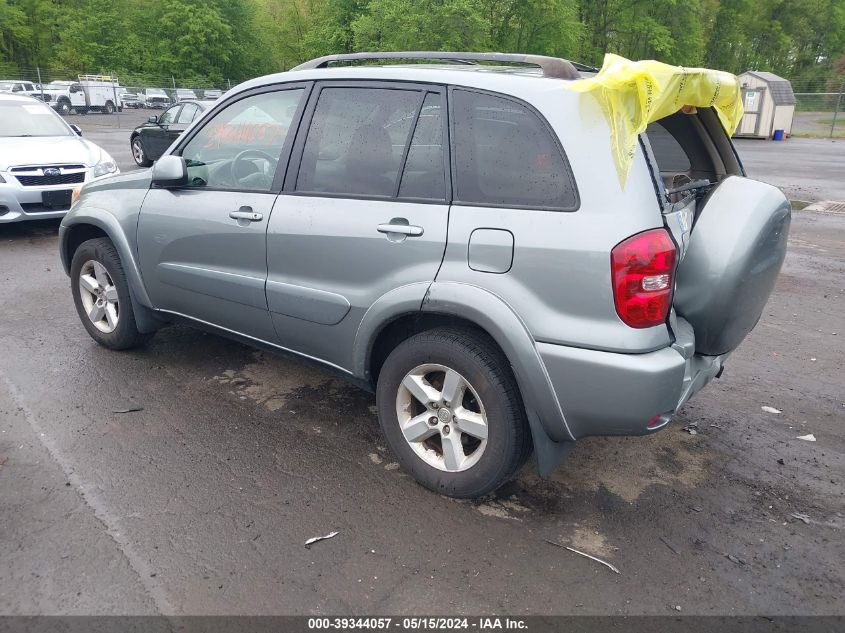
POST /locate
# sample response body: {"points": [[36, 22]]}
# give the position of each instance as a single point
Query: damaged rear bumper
{"points": [[607, 393]]}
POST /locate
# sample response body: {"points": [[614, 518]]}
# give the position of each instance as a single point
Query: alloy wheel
{"points": [[442, 418], [138, 151], [99, 296]]}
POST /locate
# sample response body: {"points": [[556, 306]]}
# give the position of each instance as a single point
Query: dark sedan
{"points": [[150, 140]]}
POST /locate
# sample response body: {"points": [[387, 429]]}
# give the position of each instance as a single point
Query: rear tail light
{"points": [[643, 267]]}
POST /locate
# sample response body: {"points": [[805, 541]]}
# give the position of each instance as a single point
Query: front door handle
{"points": [[398, 226], [246, 213]]}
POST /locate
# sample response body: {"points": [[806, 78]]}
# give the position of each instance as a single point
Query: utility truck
{"points": [[98, 93]]}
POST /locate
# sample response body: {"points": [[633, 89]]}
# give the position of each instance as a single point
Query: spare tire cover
{"points": [[735, 253]]}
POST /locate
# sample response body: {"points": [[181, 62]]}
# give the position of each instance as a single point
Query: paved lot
{"points": [[806, 169], [202, 501]]}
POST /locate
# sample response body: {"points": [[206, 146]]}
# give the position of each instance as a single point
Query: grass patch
{"points": [[837, 133], [840, 121]]}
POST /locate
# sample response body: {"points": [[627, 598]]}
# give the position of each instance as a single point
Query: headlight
{"points": [[104, 167]]}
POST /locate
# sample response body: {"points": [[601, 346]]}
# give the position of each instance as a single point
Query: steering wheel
{"points": [[251, 153]]}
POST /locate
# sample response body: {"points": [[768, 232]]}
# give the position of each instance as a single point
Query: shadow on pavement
{"points": [[29, 229]]}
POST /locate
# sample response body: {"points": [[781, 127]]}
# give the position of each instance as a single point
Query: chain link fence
{"points": [[819, 114]]}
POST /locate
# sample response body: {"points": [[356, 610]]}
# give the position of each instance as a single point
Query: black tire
{"points": [[479, 360], [64, 107], [125, 334], [109, 108], [139, 152]]}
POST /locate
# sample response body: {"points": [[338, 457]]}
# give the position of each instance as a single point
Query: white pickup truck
{"points": [[90, 93], [20, 87]]}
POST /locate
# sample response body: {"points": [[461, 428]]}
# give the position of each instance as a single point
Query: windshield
{"points": [[30, 119], [6, 86]]}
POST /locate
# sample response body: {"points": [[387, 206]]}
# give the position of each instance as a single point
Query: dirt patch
{"points": [[626, 467], [591, 541], [270, 380]]}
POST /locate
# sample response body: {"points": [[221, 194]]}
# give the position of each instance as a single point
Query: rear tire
{"points": [[483, 412], [109, 108], [101, 296]]}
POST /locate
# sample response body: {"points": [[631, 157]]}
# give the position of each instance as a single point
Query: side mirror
{"points": [[170, 171], [76, 129], [153, 119]]}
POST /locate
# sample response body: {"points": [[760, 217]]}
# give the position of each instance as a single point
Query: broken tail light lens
{"points": [[643, 267]]}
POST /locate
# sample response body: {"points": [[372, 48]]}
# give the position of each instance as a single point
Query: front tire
{"points": [[451, 412], [64, 107], [109, 108], [138, 152], [101, 296]]}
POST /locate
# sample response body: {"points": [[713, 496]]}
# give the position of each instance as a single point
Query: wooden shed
{"points": [[769, 105]]}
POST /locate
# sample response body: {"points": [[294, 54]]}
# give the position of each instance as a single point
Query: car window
{"points": [[169, 116], [670, 156], [356, 141], [240, 146], [424, 175], [505, 155], [187, 113]]}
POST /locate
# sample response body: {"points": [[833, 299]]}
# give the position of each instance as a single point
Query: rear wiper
{"points": [[695, 184]]}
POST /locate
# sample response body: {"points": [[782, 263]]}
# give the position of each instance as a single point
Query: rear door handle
{"points": [[246, 213], [403, 229]]}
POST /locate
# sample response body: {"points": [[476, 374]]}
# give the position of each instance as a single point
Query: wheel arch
{"points": [[75, 230], [404, 326], [419, 307]]}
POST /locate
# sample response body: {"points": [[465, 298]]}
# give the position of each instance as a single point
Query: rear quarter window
{"points": [[505, 156], [670, 156]]}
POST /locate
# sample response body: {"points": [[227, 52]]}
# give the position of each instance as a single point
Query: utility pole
{"points": [[117, 105], [836, 109], [40, 85]]}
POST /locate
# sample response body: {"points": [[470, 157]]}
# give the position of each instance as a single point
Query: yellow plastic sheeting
{"points": [[633, 94]]}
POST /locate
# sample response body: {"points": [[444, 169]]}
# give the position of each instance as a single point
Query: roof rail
{"points": [[550, 66]]}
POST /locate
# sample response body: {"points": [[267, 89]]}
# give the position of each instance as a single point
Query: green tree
{"points": [[444, 25], [543, 27], [214, 40]]}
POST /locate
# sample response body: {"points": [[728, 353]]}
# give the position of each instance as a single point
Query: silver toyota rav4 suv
{"points": [[454, 237]]}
